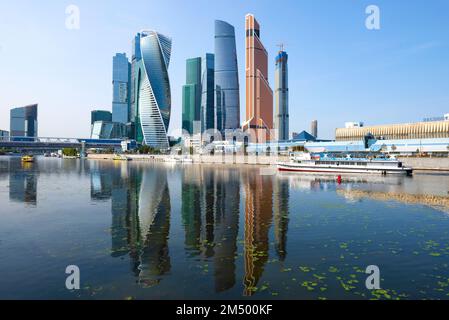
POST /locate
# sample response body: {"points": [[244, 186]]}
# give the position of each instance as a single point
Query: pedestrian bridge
{"points": [[57, 143]]}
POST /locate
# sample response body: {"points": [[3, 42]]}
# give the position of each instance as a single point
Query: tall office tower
{"points": [[227, 92], [281, 97], [100, 115], [191, 96], [23, 121], [153, 96], [135, 58], [259, 96], [207, 94], [314, 128], [120, 83]]}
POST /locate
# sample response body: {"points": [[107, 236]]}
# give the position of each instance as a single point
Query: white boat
{"points": [[309, 163]]}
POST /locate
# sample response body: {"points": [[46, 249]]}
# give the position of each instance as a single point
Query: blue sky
{"points": [[338, 70]]}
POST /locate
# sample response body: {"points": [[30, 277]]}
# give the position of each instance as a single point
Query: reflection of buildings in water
{"points": [[436, 202], [100, 185], [140, 208], [227, 186], [154, 225], [281, 211], [258, 218], [210, 214], [155, 258], [23, 185]]}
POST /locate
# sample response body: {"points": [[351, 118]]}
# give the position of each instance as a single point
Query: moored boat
{"points": [[324, 164], [121, 157], [28, 158]]}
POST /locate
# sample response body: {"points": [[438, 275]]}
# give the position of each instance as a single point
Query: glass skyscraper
{"points": [[281, 123], [207, 94], [191, 96], [100, 115], [227, 100], [259, 96], [23, 121], [121, 92], [136, 57], [152, 88]]}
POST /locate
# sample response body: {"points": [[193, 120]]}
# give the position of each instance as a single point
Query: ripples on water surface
{"points": [[157, 231]]}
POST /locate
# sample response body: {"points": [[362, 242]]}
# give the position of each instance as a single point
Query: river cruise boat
{"points": [[325, 164]]}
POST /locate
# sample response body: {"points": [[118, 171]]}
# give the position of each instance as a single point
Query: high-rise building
{"points": [[152, 88], [281, 97], [120, 83], [23, 121], [100, 115], [191, 96], [259, 96], [314, 128], [227, 92], [135, 58], [207, 94]]}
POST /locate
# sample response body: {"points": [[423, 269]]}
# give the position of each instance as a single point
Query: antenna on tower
{"points": [[281, 46]]}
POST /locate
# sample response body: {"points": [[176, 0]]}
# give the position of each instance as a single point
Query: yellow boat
{"points": [[119, 157], [27, 159]]}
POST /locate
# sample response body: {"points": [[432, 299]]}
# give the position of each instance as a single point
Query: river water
{"points": [[165, 231]]}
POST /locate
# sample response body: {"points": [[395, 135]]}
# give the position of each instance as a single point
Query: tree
{"points": [[70, 152]]}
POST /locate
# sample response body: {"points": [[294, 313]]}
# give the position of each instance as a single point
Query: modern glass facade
{"points": [[259, 96], [281, 97], [100, 115], [191, 95], [4, 135], [153, 96], [136, 57], [108, 130], [23, 121], [207, 94], [121, 92], [227, 94]]}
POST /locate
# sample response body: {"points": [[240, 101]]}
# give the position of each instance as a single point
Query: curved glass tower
{"points": [[152, 88], [227, 100]]}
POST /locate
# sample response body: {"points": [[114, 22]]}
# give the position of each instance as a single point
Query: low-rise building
{"points": [[108, 130], [4, 135], [419, 130]]}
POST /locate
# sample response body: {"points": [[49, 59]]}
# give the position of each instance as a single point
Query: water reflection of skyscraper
{"points": [[258, 219], [140, 208], [154, 217], [210, 214], [281, 197], [23, 183]]}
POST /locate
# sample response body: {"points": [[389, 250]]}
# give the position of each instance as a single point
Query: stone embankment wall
{"points": [[432, 164], [217, 159]]}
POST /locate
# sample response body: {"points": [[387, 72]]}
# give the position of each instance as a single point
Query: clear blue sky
{"points": [[339, 70]]}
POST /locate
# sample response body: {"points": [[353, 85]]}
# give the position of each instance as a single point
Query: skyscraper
{"points": [[207, 94], [100, 115], [135, 58], [314, 128], [153, 96], [191, 96], [281, 97], [259, 96], [120, 83], [23, 121], [227, 92]]}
